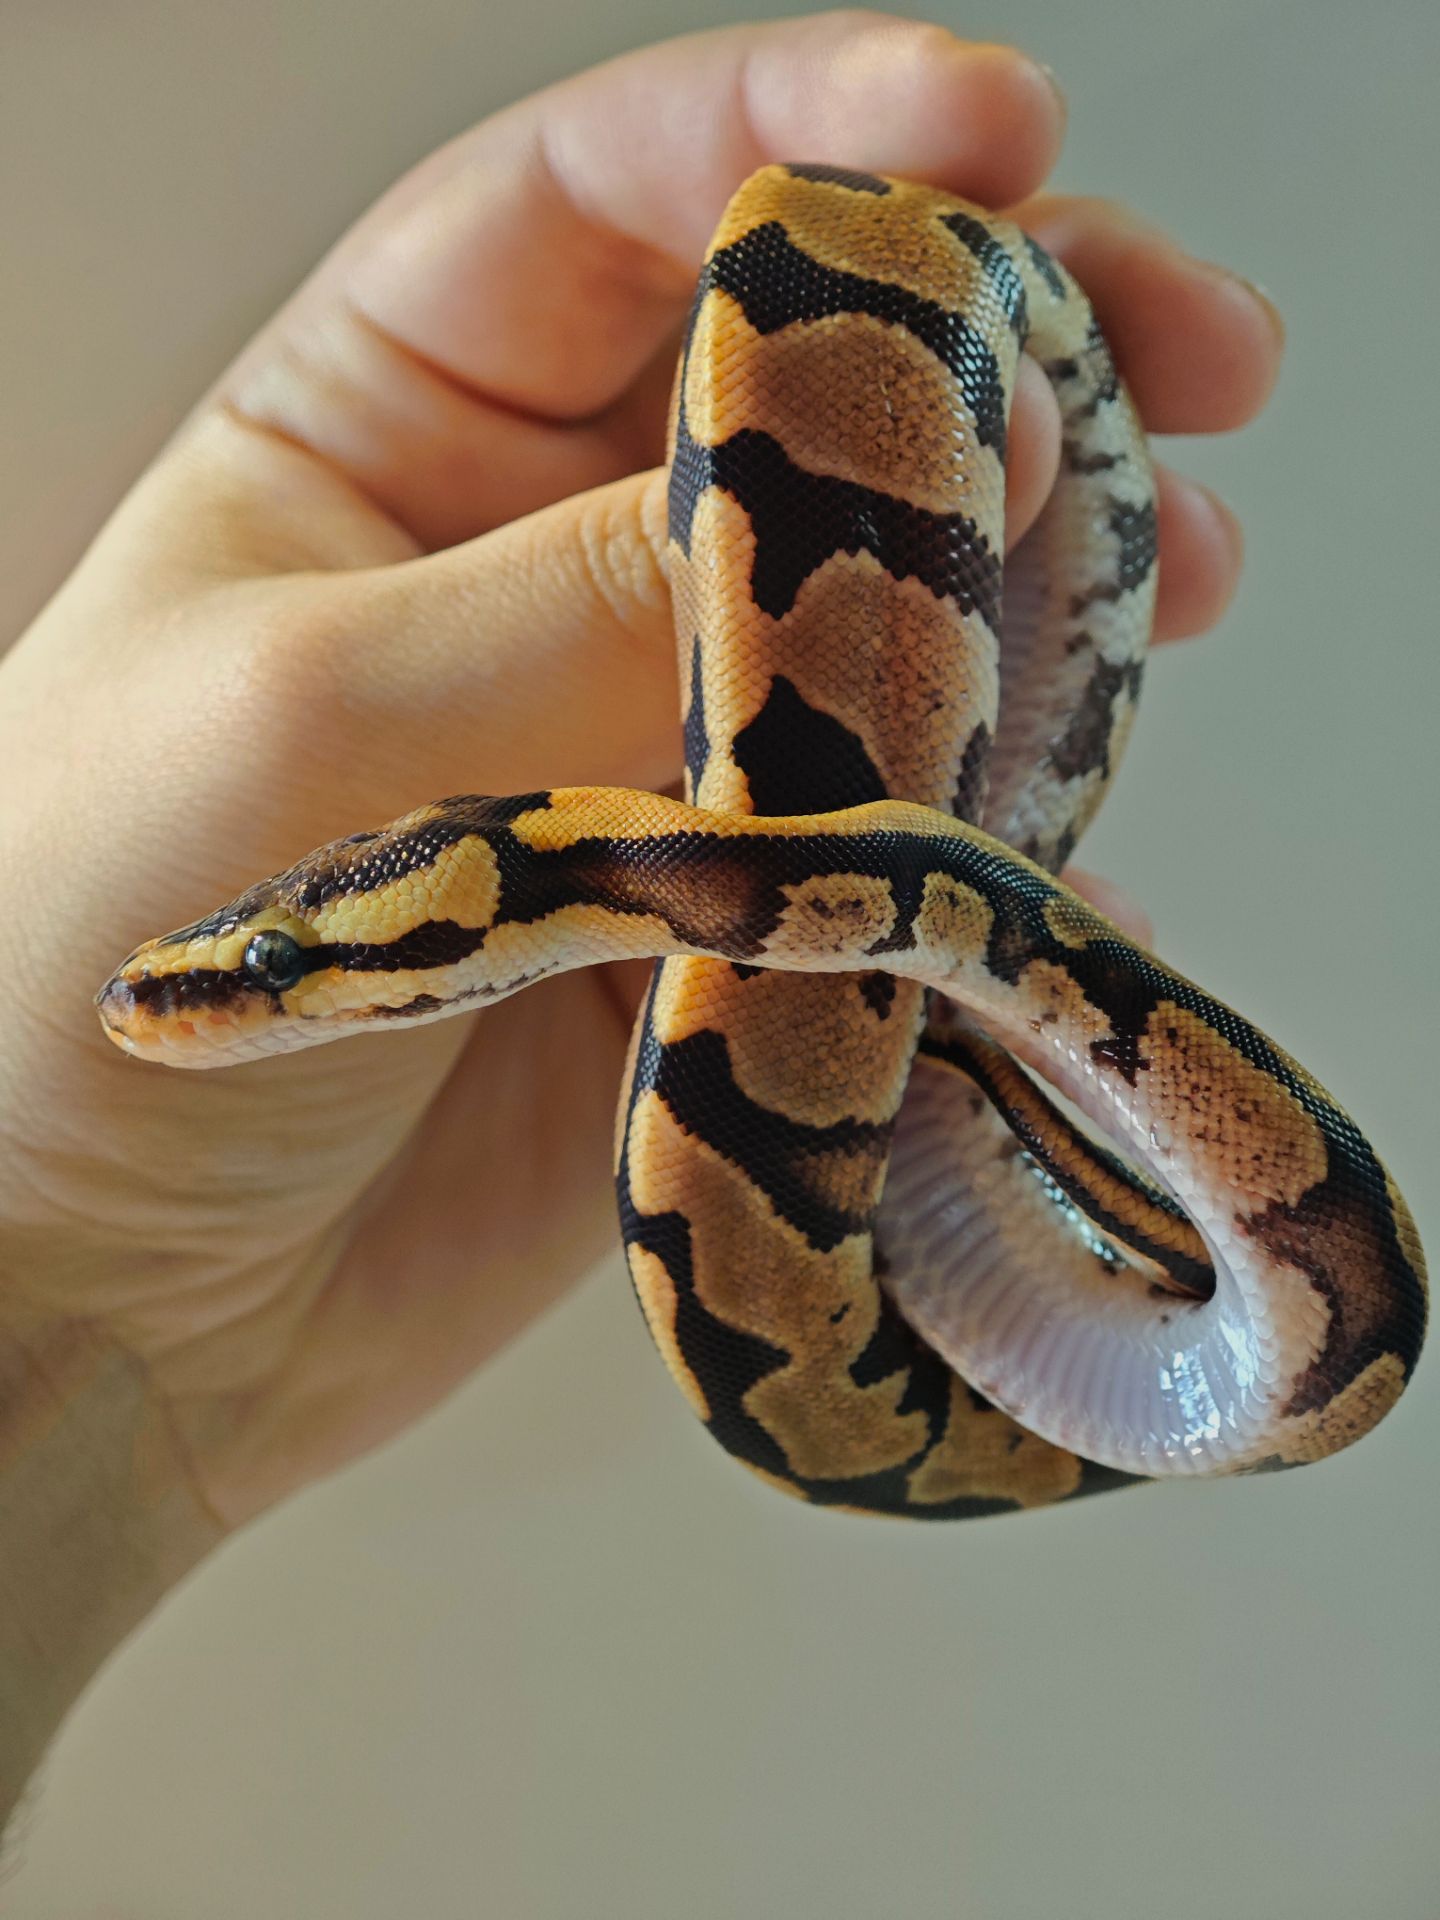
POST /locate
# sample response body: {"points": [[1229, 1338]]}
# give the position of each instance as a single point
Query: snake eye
{"points": [[274, 961]]}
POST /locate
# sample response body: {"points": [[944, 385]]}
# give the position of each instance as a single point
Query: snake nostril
{"points": [[115, 1003]]}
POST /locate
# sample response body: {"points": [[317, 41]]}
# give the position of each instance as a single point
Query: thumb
{"points": [[539, 654]]}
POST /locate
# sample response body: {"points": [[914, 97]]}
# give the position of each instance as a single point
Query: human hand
{"points": [[364, 574]]}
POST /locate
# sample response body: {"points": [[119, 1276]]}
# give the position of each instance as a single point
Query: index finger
{"points": [[459, 356]]}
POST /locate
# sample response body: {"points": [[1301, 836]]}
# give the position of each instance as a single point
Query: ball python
{"points": [[887, 1270]]}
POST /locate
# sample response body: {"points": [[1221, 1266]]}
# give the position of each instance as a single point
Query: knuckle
{"points": [[622, 538]]}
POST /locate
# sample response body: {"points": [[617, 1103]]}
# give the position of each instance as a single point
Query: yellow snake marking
{"points": [[1228, 1113], [953, 918], [839, 1038], [832, 914], [986, 1453], [1072, 929], [223, 952], [849, 396], [1346, 1418], [791, 1298], [462, 884]]}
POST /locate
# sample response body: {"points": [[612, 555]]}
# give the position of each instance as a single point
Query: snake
{"points": [[941, 1196]]}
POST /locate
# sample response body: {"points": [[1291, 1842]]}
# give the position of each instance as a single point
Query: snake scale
{"points": [[886, 1269]]}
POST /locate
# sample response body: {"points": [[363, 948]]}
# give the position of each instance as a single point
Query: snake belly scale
{"points": [[887, 1271]]}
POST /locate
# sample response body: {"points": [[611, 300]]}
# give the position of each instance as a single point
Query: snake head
{"points": [[226, 988], [383, 926]]}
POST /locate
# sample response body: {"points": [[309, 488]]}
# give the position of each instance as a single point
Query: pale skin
{"points": [[411, 544]]}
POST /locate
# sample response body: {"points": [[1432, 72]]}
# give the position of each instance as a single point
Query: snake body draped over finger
{"points": [[896, 1281]]}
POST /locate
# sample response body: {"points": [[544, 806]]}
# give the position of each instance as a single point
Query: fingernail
{"points": [[1055, 87], [1256, 292], [1227, 521], [1272, 312]]}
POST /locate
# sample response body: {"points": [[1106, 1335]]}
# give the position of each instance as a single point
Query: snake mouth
{"points": [[195, 1019]]}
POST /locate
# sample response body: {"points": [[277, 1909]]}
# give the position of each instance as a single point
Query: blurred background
{"points": [[553, 1657]]}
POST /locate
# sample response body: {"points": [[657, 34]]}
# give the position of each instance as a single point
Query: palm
{"points": [[498, 1197]]}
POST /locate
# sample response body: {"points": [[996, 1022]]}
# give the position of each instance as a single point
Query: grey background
{"points": [[552, 1655]]}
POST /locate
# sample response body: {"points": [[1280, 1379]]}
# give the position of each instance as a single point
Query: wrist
{"points": [[98, 1520]]}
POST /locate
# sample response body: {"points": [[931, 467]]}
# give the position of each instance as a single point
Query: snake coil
{"points": [[885, 1268]]}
